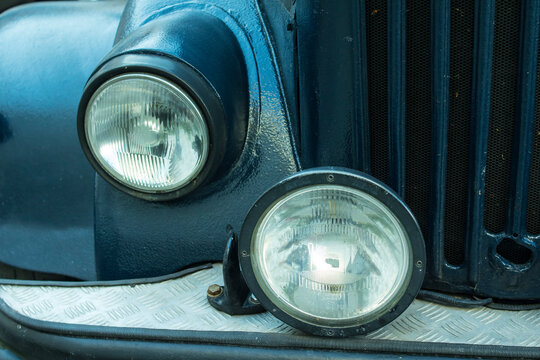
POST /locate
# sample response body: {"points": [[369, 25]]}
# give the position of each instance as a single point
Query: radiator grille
{"points": [[468, 215]]}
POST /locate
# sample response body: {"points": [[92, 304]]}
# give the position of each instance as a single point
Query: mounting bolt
{"points": [[214, 290]]}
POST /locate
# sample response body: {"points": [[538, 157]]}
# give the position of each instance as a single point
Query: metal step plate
{"points": [[180, 304]]}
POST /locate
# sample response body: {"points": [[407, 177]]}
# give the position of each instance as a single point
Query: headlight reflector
{"points": [[146, 132], [333, 252]]}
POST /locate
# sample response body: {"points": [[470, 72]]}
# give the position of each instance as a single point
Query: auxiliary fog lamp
{"points": [[333, 252]]}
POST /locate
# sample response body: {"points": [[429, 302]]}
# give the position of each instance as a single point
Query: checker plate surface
{"points": [[180, 304]]}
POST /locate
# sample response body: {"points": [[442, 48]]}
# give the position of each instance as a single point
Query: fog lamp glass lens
{"points": [[331, 255], [146, 132]]}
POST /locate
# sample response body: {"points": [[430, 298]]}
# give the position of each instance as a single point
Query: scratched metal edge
{"points": [[180, 304]]}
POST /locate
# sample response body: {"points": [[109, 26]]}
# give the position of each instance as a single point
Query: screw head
{"points": [[214, 290]]}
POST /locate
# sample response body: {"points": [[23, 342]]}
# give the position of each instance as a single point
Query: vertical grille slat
{"points": [[530, 13], [396, 94], [481, 94], [461, 65], [503, 112], [332, 105], [362, 158], [377, 60], [440, 49]]}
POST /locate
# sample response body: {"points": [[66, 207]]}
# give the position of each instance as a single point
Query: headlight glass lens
{"points": [[146, 132], [332, 255]]}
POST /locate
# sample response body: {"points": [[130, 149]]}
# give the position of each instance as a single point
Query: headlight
{"points": [[332, 252], [157, 127], [146, 132]]}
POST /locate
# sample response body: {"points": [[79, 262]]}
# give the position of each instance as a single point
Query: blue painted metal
{"points": [[483, 38], [332, 87], [279, 18], [440, 87], [133, 237], [6, 354], [396, 95], [137, 238], [46, 185]]}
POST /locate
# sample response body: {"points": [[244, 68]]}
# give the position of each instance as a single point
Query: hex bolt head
{"points": [[214, 290]]}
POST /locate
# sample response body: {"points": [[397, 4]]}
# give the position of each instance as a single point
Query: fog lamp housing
{"points": [[333, 252]]}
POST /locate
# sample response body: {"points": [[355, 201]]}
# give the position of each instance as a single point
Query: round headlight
{"points": [[146, 132], [332, 252]]}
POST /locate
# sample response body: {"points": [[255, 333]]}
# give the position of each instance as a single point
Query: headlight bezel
{"points": [[190, 81], [346, 178]]}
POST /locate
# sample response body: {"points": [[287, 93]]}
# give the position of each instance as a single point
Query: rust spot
{"points": [[214, 290]]}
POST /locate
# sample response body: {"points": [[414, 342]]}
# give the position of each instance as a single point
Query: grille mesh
{"points": [[418, 110], [503, 110], [461, 65], [418, 117], [533, 210], [376, 14]]}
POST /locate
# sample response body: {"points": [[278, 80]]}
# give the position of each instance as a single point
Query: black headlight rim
{"points": [[349, 178], [187, 79]]}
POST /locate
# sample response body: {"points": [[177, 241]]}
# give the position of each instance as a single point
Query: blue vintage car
{"points": [[270, 179]]}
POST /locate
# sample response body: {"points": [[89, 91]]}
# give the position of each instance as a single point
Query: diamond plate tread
{"points": [[180, 304]]}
